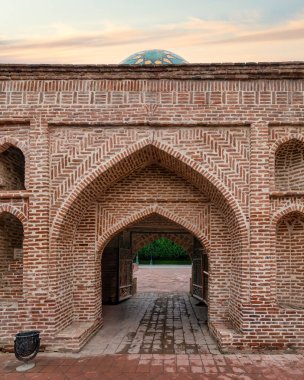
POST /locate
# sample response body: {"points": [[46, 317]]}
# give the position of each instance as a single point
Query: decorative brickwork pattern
{"points": [[289, 166], [217, 150], [11, 256], [290, 260], [12, 169]]}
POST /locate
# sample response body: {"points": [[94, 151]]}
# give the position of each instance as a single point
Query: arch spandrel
{"points": [[140, 155]]}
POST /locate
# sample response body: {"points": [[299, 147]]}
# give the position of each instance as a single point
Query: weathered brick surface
{"points": [[215, 149]]}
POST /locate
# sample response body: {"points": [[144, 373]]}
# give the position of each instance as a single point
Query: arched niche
{"points": [[289, 166], [12, 169], [11, 256], [290, 260]]}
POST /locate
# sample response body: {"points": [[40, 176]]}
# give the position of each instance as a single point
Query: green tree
{"points": [[163, 250]]}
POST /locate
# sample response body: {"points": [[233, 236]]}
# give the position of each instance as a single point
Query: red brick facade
{"points": [[87, 152]]}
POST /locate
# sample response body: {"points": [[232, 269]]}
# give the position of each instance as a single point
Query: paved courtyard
{"points": [[158, 367], [163, 278], [160, 334]]}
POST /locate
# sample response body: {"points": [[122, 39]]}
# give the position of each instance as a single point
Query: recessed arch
{"points": [[73, 235], [12, 165], [144, 213], [119, 237], [11, 254], [287, 161], [138, 155], [285, 210], [8, 141], [289, 237], [14, 211]]}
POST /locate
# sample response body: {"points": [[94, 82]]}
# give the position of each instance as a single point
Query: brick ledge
{"points": [[15, 194], [290, 193], [73, 337]]}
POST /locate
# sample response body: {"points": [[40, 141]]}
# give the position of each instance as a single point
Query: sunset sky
{"points": [[98, 31]]}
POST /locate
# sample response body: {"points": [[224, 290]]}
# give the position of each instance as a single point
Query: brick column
{"points": [[36, 263], [261, 260]]}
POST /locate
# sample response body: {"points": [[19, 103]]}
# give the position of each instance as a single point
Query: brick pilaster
{"points": [[261, 262]]}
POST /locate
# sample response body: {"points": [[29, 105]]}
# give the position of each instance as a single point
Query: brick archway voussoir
{"points": [[137, 147], [13, 211], [285, 210], [7, 142], [146, 212]]}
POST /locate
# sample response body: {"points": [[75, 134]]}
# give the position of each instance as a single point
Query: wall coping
{"points": [[202, 71]]}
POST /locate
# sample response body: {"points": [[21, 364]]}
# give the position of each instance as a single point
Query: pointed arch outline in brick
{"points": [[285, 211], [285, 296], [273, 153], [14, 211], [146, 238], [202, 170], [7, 142], [10, 142], [144, 213]]}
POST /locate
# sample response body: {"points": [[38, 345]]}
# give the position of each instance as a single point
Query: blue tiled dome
{"points": [[154, 57]]}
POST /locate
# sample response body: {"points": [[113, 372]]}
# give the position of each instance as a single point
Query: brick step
{"points": [[75, 336], [225, 335]]}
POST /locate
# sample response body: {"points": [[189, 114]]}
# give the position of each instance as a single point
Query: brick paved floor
{"points": [[154, 323], [160, 319], [158, 367]]}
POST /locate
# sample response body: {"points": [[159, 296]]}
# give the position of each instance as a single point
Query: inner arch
{"points": [[146, 154]]}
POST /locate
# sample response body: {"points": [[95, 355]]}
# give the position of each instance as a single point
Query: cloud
{"points": [[197, 39]]}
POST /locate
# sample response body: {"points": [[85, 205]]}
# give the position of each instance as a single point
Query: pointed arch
{"points": [[11, 252], [14, 164], [7, 142], [14, 211], [136, 156], [289, 248], [285, 211], [144, 213], [286, 163], [142, 239]]}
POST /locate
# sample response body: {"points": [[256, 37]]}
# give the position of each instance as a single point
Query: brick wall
{"points": [[11, 238], [289, 166], [226, 138], [132, 199], [290, 261]]}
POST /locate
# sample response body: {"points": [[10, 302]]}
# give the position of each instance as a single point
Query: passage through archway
{"points": [[151, 189], [119, 255], [162, 317]]}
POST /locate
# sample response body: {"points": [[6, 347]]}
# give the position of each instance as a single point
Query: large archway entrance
{"points": [[168, 314], [145, 184]]}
